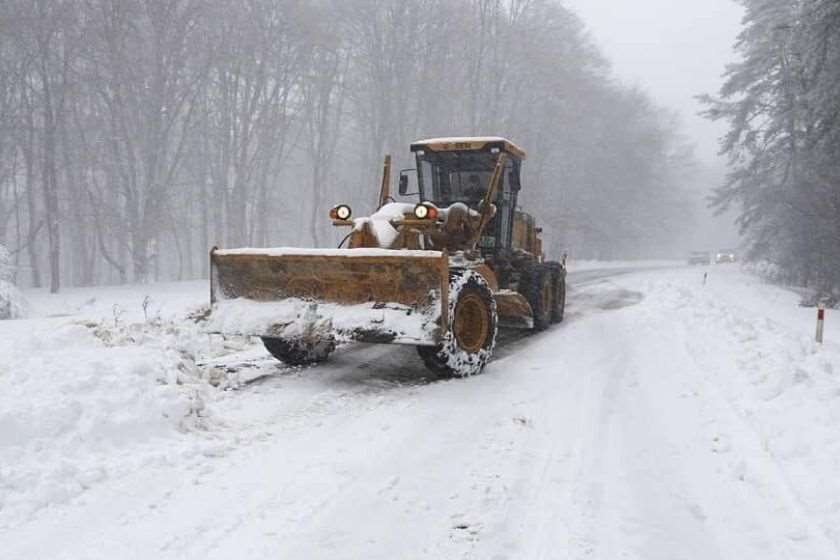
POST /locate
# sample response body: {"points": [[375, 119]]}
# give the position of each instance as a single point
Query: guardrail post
{"points": [[820, 322]]}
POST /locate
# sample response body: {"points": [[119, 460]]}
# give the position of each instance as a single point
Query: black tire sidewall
{"points": [[534, 282], [297, 352], [558, 310]]}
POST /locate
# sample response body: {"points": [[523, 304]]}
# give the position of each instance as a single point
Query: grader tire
{"points": [[559, 308], [538, 288], [471, 330], [299, 353]]}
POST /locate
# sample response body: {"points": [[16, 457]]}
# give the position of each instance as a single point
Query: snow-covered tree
{"points": [[12, 304], [6, 272], [780, 100]]}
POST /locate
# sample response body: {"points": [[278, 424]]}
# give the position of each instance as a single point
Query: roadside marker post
{"points": [[820, 322]]}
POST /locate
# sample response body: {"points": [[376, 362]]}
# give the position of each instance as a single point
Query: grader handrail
{"points": [[487, 204]]}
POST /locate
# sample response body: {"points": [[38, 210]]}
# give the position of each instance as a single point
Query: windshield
{"points": [[458, 177], [449, 177]]}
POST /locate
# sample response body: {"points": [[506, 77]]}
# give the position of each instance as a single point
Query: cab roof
{"points": [[469, 143]]}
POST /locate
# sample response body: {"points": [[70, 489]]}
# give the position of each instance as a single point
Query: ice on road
{"points": [[664, 419]]}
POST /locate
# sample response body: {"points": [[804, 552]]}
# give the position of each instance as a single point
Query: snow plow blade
{"points": [[367, 295]]}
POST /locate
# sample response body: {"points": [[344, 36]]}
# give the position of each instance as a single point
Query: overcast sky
{"points": [[674, 49]]}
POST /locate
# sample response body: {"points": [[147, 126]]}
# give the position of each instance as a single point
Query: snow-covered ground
{"points": [[663, 419], [575, 265]]}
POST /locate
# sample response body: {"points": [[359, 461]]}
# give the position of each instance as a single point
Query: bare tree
{"points": [[140, 132], [324, 95]]}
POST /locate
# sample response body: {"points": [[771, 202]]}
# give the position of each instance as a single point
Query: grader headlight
{"points": [[425, 211], [341, 212]]}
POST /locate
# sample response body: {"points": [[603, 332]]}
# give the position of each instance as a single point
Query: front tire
{"points": [[298, 352], [472, 325]]}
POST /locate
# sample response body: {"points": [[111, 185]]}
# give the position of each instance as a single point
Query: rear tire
{"points": [[471, 330], [297, 352], [538, 287], [559, 308]]}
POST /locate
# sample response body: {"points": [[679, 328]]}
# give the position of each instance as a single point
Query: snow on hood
{"points": [[393, 211], [380, 222], [384, 231]]}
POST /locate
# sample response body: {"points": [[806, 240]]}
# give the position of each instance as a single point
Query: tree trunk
{"points": [[49, 182], [33, 223]]}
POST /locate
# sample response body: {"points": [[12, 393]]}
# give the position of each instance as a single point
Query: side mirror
{"points": [[403, 189]]}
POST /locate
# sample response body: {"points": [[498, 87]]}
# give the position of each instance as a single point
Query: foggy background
{"points": [[137, 134], [676, 50]]}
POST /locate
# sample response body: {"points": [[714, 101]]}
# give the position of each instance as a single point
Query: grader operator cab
{"points": [[442, 274]]}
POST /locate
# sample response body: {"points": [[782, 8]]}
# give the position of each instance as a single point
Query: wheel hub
{"points": [[471, 326]]}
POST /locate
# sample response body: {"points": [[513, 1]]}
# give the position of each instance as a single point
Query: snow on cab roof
{"points": [[457, 143]]}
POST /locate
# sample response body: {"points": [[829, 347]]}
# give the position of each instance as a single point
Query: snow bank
{"points": [[84, 400], [756, 346]]}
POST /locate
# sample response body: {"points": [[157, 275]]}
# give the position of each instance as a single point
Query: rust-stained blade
{"points": [[370, 295], [348, 277]]}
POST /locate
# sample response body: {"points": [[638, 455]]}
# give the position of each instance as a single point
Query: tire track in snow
{"points": [[201, 511]]}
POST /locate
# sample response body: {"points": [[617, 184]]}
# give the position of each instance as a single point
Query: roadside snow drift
{"points": [[83, 399]]}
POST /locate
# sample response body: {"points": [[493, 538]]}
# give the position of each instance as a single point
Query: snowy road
{"points": [[662, 420]]}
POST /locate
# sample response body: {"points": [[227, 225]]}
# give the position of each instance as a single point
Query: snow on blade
{"points": [[296, 318]]}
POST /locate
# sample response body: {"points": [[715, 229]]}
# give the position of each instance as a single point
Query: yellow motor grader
{"points": [[442, 274]]}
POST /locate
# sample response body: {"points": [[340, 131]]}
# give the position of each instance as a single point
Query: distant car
{"points": [[725, 256], [700, 257]]}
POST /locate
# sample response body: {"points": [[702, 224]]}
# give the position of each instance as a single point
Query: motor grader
{"points": [[442, 274]]}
